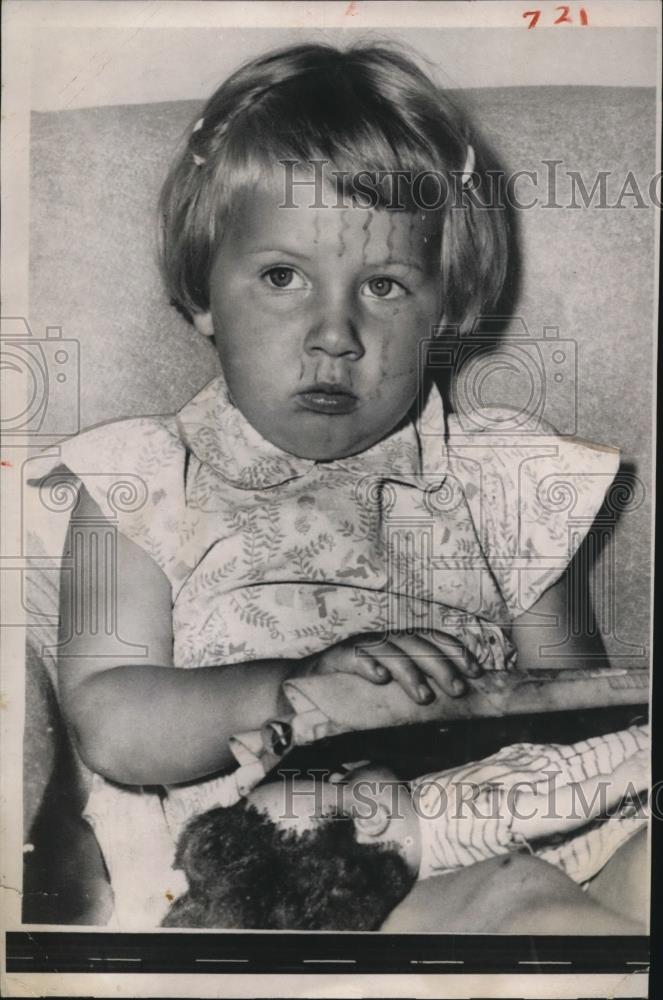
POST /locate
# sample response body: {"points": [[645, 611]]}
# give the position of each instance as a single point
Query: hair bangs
{"points": [[352, 138], [384, 135]]}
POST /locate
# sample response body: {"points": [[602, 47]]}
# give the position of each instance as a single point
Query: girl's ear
{"points": [[203, 323]]}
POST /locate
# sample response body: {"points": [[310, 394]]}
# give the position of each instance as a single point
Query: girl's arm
{"points": [[136, 718], [514, 894], [563, 621]]}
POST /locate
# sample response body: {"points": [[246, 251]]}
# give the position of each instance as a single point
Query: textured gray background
{"points": [[83, 67], [590, 272]]}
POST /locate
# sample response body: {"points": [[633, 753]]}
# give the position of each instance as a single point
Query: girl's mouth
{"points": [[325, 397]]}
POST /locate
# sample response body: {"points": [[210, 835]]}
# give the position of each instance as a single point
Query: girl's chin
{"points": [[327, 450], [324, 438]]}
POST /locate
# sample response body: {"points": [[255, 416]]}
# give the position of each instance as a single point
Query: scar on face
{"points": [[349, 373], [391, 232], [414, 233], [367, 236], [345, 224], [432, 234], [387, 373]]}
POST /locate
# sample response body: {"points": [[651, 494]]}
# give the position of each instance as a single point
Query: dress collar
{"points": [[218, 434]]}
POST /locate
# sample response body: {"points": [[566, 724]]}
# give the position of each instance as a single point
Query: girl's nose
{"points": [[335, 333]]}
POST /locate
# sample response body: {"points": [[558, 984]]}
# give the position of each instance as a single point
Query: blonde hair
{"points": [[365, 108]]}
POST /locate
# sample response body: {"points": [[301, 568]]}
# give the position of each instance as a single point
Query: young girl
{"points": [[313, 508]]}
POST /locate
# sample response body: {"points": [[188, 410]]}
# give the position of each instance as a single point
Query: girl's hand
{"points": [[410, 660]]}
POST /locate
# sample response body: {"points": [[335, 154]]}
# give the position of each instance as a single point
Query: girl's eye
{"points": [[284, 277], [383, 288]]}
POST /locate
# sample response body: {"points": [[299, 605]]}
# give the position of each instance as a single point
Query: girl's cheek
{"points": [[398, 362], [266, 304], [408, 311]]}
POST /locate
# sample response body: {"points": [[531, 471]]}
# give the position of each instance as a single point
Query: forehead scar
{"points": [[430, 235], [415, 233], [411, 234], [391, 233], [341, 233], [367, 236]]}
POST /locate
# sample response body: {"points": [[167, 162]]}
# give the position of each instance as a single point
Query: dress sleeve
{"points": [[133, 469], [533, 496]]}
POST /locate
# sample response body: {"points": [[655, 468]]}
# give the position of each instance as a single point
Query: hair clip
{"points": [[198, 160], [468, 169]]}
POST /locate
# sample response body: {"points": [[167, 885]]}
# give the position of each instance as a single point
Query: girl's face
{"points": [[317, 315]]}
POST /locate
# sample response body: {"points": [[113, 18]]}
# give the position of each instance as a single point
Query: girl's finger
{"points": [[405, 672], [432, 662], [444, 658], [462, 658], [356, 659], [369, 667], [347, 658]]}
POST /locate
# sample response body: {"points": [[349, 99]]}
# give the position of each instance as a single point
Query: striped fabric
{"points": [[466, 813]]}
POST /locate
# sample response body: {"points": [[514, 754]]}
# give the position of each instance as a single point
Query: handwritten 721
{"points": [[564, 17]]}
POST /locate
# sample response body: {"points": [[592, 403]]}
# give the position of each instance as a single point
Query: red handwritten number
{"points": [[564, 16]]}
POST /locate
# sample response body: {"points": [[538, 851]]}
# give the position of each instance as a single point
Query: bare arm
{"points": [[562, 618], [136, 718], [514, 894]]}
